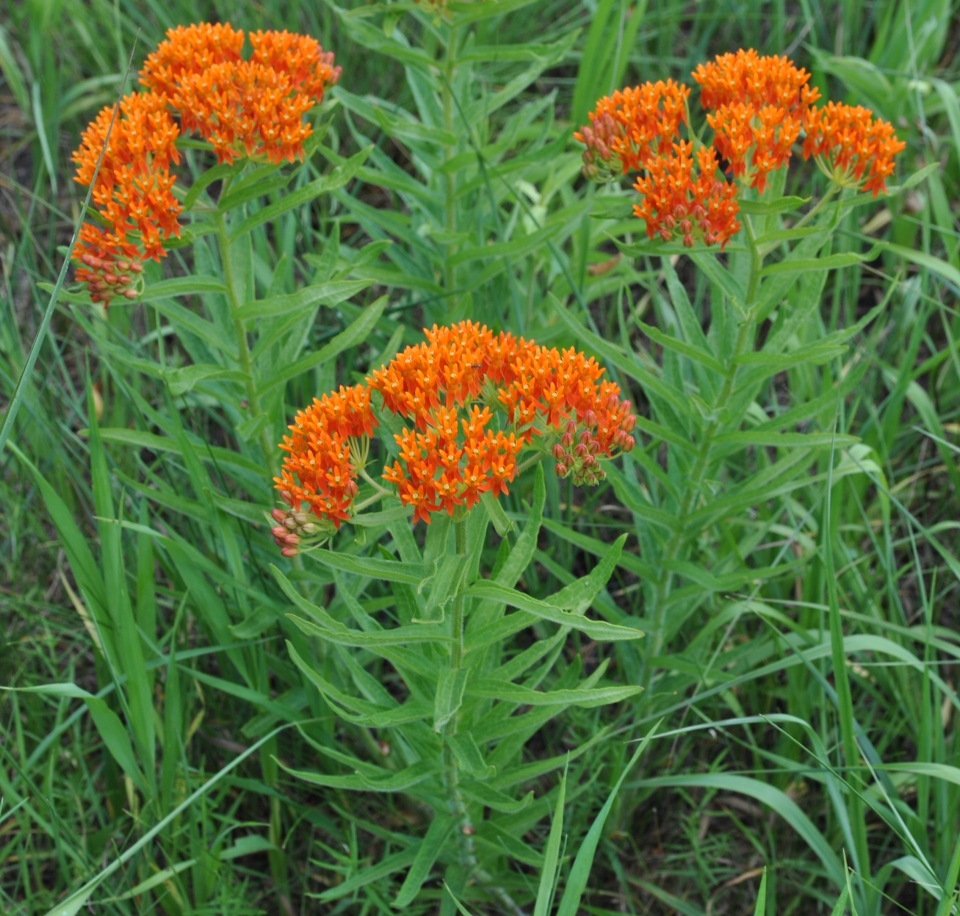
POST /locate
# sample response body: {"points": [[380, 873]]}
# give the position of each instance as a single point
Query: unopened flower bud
{"points": [[566, 440], [571, 427], [624, 408], [309, 529], [352, 488], [290, 523], [594, 447], [561, 470], [581, 451], [111, 279], [679, 213], [669, 222], [278, 516], [291, 540], [710, 239], [279, 532], [686, 227], [585, 438], [558, 452], [618, 437], [136, 267], [287, 497], [289, 552], [698, 212], [130, 294], [123, 265], [613, 402], [568, 460], [666, 235], [300, 518], [589, 461], [688, 241], [628, 444], [628, 424]]}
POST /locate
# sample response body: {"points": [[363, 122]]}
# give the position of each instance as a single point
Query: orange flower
{"points": [[450, 457], [318, 469], [132, 193], [756, 103], [678, 203], [538, 390], [251, 108], [849, 143], [746, 78], [629, 127]]}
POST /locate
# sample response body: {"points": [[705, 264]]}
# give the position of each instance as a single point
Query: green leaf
{"points": [[207, 178], [353, 335], [769, 208], [494, 510], [387, 570], [469, 756], [386, 867], [340, 176], [449, 696], [116, 739], [551, 856], [829, 262], [579, 595], [55, 690], [596, 629], [580, 873], [815, 354], [430, 847], [328, 294], [153, 881], [187, 378], [787, 440], [183, 286], [761, 908], [397, 782], [515, 693], [683, 348]]}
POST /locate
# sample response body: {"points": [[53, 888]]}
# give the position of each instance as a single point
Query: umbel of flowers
{"points": [[473, 401], [758, 108], [198, 77]]}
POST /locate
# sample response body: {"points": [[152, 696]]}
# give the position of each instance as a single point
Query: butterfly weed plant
{"points": [[399, 564]]}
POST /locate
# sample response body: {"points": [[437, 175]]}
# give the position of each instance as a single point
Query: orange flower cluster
{"points": [[757, 108], [132, 194], [757, 103], [451, 387], [677, 200], [252, 108], [628, 128], [318, 469], [847, 142], [242, 107]]}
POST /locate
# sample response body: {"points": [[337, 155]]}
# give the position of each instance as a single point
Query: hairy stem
{"points": [[680, 537], [243, 347], [450, 186]]}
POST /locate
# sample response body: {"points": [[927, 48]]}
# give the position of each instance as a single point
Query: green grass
{"points": [[808, 716]]}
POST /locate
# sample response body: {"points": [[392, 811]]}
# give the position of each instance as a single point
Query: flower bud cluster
{"points": [[583, 446], [295, 527], [108, 277], [600, 161]]}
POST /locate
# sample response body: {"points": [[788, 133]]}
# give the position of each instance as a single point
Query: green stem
{"points": [[243, 347], [450, 186], [680, 538]]}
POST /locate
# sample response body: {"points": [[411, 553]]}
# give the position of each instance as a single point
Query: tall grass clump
{"points": [[468, 472]]}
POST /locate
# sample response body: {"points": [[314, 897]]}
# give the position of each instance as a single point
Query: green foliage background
{"points": [[800, 614]]}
